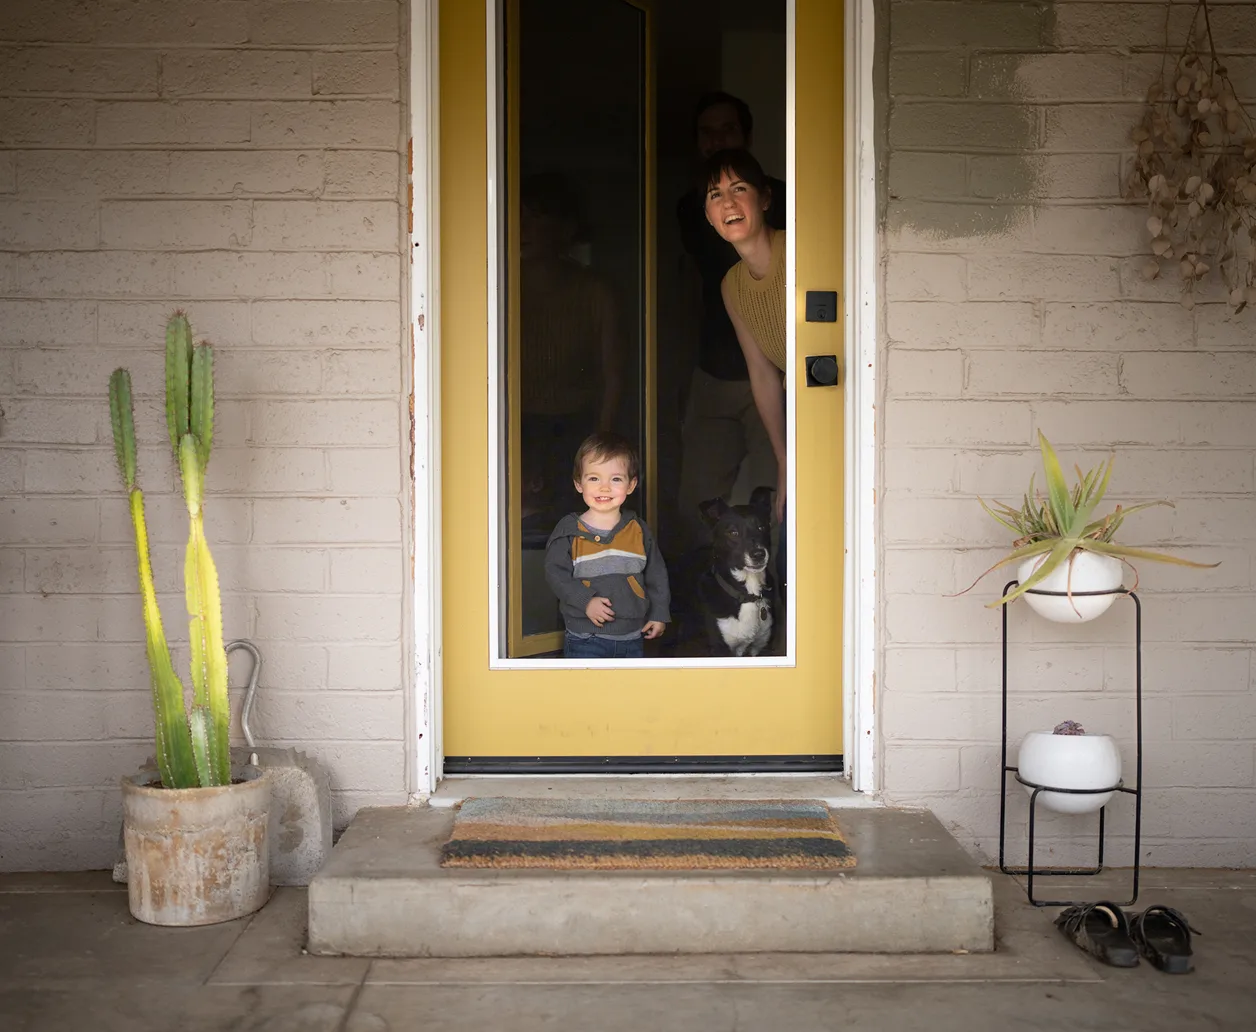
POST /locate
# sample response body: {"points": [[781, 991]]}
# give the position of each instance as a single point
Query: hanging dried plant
{"points": [[1195, 163]]}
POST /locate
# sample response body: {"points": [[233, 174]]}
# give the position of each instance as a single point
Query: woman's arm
{"points": [[769, 395]]}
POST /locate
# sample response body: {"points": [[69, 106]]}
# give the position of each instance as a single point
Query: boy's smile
{"points": [[605, 486]]}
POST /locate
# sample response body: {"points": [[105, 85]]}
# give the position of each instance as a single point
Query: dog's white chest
{"points": [[747, 633]]}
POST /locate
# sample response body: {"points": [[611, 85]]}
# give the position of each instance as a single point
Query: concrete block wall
{"points": [[1013, 305], [242, 161]]}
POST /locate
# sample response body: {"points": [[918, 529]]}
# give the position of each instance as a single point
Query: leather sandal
{"points": [[1102, 930], [1163, 936]]}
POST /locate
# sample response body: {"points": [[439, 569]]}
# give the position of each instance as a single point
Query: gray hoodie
{"points": [[623, 565]]}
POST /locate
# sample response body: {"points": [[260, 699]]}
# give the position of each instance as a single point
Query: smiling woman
{"points": [[738, 197]]}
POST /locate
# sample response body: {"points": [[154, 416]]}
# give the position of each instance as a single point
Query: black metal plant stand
{"points": [[1030, 871]]}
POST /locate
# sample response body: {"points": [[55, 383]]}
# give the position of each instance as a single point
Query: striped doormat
{"points": [[630, 834]]}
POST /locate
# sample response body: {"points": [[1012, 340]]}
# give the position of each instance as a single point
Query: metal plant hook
{"points": [[251, 694]]}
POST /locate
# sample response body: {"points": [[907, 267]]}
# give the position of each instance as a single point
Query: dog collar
{"points": [[738, 592]]}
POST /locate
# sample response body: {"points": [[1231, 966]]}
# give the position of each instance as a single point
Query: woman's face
{"points": [[735, 208]]}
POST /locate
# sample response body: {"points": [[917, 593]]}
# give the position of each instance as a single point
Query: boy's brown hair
{"points": [[602, 447]]}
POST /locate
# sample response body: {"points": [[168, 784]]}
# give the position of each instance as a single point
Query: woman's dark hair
{"points": [[739, 164], [710, 100]]}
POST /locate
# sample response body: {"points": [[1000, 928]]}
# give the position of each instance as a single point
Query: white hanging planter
{"points": [[1090, 572], [1070, 761]]}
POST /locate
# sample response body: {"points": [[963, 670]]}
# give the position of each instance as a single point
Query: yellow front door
{"points": [[504, 701]]}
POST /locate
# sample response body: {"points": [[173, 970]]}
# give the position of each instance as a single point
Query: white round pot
{"points": [[1089, 572], [196, 856], [1070, 761]]}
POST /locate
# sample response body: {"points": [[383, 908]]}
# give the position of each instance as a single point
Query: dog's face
{"points": [[741, 535]]}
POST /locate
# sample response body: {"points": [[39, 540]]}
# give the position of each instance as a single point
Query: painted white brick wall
{"points": [[1011, 308], [242, 161]]}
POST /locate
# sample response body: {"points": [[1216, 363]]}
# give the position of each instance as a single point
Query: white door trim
{"points": [[859, 680], [862, 265], [424, 754]]}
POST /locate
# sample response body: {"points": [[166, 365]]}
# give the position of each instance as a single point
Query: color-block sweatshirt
{"points": [[623, 565]]}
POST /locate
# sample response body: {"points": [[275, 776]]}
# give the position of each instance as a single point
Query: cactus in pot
{"points": [[192, 747]]}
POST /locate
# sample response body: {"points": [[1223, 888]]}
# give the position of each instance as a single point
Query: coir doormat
{"points": [[645, 834]]}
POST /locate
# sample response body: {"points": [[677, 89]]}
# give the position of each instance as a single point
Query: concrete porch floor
{"points": [[71, 957]]}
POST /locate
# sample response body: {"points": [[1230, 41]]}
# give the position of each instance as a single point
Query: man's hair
{"points": [[739, 164], [602, 447], [710, 100]]}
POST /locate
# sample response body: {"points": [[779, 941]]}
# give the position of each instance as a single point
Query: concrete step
{"points": [[383, 893]]}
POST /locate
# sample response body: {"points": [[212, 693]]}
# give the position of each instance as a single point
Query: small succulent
{"points": [[1068, 727], [1063, 522]]}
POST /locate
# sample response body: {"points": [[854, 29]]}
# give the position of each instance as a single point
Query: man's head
{"points": [[721, 122]]}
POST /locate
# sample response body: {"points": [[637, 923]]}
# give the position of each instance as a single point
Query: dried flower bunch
{"points": [[1195, 163], [1068, 727]]}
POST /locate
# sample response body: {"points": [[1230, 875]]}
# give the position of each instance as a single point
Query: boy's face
{"points": [[604, 484]]}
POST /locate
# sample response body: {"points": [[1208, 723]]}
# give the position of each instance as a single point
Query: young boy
{"points": [[603, 564]]}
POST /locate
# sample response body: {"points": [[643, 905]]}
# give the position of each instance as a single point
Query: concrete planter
{"points": [[1089, 572], [196, 856]]}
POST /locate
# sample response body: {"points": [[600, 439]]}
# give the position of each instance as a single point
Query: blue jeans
{"points": [[602, 648]]}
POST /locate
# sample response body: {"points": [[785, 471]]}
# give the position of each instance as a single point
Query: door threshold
{"points": [[833, 790]]}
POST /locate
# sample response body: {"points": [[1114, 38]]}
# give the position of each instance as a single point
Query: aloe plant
{"points": [[1064, 522], [193, 748]]}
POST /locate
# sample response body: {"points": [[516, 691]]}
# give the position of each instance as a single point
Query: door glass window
{"points": [[611, 309]]}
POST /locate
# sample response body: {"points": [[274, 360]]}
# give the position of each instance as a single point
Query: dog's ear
{"points": [[712, 510], [761, 502]]}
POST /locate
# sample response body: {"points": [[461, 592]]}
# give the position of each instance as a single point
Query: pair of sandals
{"points": [[1103, 929]]}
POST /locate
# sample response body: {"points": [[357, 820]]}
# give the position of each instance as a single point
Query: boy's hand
{"points": [[652, 629], [599, 610]]}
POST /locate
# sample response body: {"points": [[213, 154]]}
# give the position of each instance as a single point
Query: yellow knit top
{"points": [[761, 303]]}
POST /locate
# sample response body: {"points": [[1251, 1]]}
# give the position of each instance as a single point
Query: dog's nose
{"points": [[759, 554]]}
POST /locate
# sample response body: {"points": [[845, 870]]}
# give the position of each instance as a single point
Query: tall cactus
{"points": [[192, 749]]}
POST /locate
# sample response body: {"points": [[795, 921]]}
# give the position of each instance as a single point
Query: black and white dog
{"points": [[737, 592]]}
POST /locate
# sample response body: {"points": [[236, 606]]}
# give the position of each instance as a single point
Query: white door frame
{"points": [[862, 264], [423, 738], [424, 751]]}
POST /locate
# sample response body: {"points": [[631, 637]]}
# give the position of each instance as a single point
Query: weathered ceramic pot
{"points": [[196, 856], [1070, 761], [1090, 572]]}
